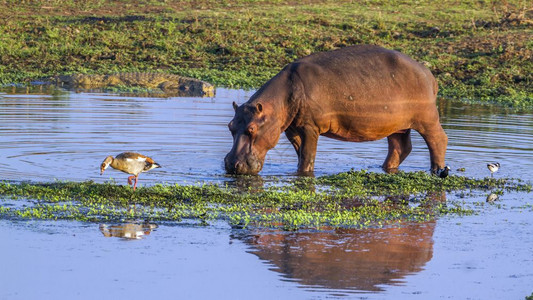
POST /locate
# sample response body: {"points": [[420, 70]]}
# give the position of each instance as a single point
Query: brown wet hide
{"points": [[360, 93]]}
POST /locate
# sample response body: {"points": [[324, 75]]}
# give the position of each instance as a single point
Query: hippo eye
{"points": [[251, 130]]}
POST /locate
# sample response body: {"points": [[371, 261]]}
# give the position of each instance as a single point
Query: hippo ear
{"points": [[259, 107], [235, 106]]}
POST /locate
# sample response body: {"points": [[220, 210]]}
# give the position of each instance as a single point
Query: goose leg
{"points": [[129, 179], [135, 185]]}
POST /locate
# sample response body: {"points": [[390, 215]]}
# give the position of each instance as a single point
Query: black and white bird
{"points": [[443, 173], [493, 167]]}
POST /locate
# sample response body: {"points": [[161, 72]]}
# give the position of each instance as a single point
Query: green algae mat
{"points": [[351, 199]]}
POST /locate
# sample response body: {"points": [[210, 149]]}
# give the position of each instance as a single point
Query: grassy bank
{"points": [[352, 199], [478, 50]]}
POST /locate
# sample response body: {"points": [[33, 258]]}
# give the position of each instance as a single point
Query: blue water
{"points": [[66, 135]]}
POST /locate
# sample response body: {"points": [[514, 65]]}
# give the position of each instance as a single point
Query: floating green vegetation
{"points": [[351, 199]]}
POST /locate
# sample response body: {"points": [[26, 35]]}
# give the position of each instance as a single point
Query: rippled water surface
{"points": [[65, 136]]}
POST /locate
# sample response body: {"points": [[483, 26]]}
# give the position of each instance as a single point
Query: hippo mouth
{"points": [[249, 165]]}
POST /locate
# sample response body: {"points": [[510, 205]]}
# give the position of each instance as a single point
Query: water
{"points": [[66, 136], [62, 135]]}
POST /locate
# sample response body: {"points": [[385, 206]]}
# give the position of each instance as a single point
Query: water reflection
{"points": [[352, 259], [47, 135], [492, 197], [33, 89], [129, 231], [346, 258], [247, 183]]}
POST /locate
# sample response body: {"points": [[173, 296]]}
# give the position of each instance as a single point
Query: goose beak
{"points": [[103, 166]]}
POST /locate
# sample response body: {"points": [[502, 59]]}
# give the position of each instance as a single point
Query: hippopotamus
{"points": [[357, 93]]}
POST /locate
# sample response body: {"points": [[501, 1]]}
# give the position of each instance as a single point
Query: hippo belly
{"points": [[353, 127], [369, 121]]}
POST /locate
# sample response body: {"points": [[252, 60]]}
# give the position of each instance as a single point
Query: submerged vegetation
{"points": [[478, 50], [351, 199]]}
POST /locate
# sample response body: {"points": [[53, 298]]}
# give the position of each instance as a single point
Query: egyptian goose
{"points": [[131, 163], [493, 167]]}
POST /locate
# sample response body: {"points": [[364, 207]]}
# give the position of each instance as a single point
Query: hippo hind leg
{"points": [[437, 141], [399, 147]]}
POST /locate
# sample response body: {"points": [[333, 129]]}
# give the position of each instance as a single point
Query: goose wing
{"points": [[132, 156]]}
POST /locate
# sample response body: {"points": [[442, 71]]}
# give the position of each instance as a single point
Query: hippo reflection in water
{"points": [[359, 93], [361, 259], [347, 258]]}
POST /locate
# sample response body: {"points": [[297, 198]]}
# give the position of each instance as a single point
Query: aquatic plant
{"points": [[351, 199]]}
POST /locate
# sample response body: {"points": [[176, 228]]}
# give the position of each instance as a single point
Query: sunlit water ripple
{"points": [[66, 136]]}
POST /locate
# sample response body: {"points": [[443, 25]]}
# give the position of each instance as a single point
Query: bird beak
{"points": [[103, 166]]}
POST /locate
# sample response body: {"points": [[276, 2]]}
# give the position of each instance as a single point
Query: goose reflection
{"points": [[129, 231]]}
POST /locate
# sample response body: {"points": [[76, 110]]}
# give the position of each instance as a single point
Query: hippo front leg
{"points": [[399, 147], [304, 141]]}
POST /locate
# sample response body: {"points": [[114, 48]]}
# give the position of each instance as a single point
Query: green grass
{"points": [[478, 50], [352, 199]]}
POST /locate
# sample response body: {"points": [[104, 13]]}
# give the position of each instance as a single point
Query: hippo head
{"points": [[255, 130]]}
